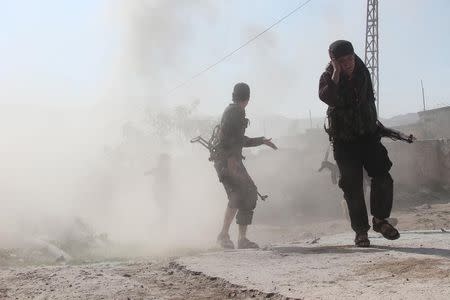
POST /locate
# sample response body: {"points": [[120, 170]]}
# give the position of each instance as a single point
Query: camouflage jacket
{"points": [[351, 104], [232, 136]]}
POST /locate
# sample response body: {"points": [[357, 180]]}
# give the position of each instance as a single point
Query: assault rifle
{"points": [[383, 131], [210, 144], [393, 134], [326, 164]]}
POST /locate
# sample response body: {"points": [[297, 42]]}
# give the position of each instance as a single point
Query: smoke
{"points": [[67, 167], [81, 173], [155, 38], [122, 170], [155, 35]]}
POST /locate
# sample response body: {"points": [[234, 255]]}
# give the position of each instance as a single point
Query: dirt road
{"points": [[166, 279]]}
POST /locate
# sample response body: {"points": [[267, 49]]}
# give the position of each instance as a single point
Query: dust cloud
{"points": [[118, 173], [122, 173]]}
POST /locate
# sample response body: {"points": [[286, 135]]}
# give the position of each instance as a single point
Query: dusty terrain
{"points": [[418, 265], [169, 278], [132, 280]]}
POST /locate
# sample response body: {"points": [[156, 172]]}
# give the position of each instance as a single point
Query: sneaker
{"points": [[386, 229], [247, 244], [362, 240], [224, 241]]}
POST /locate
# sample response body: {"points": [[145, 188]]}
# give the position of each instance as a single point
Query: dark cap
{"points": [[340, 48], [241, 92]]}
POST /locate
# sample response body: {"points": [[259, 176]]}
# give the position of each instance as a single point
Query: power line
{"points": [[240, 47]]}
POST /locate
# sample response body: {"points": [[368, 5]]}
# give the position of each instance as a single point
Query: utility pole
{"points": [[371, 57], [310, 120], [423, 96]]}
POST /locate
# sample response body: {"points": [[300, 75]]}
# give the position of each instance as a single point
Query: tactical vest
{"points": [[356, 114], [232, 131]]}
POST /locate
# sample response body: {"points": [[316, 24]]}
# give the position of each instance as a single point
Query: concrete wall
{"points": [[424, 163], [435, 123]]}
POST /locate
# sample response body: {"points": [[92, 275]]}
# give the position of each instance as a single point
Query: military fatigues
{"points": [[353, 130], [238, 184]]}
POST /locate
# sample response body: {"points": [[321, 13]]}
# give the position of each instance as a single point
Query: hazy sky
{"points": [[66, 53]]}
